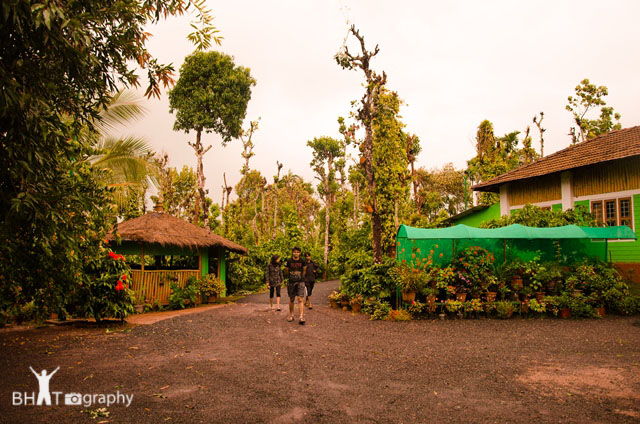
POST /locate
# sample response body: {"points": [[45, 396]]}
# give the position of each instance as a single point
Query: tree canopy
{"points": [[211, 95]]}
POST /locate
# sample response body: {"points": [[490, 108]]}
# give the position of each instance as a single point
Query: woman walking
{"points": [[273, 276]]}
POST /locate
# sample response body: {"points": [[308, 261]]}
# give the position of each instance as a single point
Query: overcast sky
{"points": [[454, 63]]}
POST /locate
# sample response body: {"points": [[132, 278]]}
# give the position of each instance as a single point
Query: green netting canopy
{"points": [[572, 242]]}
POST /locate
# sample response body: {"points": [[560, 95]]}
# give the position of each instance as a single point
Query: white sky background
{"points": [[454, 64]]}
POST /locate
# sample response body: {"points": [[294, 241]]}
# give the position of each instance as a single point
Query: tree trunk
{"points": [[327, 221], [200, 199]]}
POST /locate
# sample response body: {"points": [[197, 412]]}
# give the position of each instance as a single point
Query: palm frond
{"points": [[129, 159], [124, 107]]}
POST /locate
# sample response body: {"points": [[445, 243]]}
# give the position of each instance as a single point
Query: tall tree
{"points": [[247, 144], [588, 97], [497, 155], [63, 59], [326, 151], [211, 95], [390, 167], [367, 112], [541, 130]]}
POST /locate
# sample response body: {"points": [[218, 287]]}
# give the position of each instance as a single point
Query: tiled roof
{"points": [[611, 146]]}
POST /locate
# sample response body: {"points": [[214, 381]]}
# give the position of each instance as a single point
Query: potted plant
{"points": [[343, 299], [409, 279], [431, 296], [140, 301], [473, 307], [211, 287], [491, 287], [334, 298], [553, 277], [505, 309], [564, 304], [454, 306], [356, 303]]}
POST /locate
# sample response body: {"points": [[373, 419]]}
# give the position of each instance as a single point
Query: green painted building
{"points": [[160, 234], [602, 174]]}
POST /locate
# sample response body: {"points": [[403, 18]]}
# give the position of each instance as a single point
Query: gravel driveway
{"points": [[243, 363]]}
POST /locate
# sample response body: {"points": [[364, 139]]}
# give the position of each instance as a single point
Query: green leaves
{"points": [[211, 95]]}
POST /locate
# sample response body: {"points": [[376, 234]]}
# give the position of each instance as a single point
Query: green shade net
{"points": [[572, 243]]}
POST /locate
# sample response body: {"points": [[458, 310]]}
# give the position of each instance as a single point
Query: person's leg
{"points": [[290, 318], [291, 292], [271, 297], [278, 298], [306, 299], [309, 292], [301, 290], [301, 307]]}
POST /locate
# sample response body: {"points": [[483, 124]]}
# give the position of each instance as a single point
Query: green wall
{"points": [[628, 251], [476, 219]]}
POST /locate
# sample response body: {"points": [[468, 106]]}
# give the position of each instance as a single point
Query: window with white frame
{"points": [[612, 212]]}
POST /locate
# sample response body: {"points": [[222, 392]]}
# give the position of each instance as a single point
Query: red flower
{"points": [[124, 277], [113, 255], [119, 286]]}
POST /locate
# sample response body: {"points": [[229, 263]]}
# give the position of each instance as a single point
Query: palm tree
{"points": [[128, 159]]}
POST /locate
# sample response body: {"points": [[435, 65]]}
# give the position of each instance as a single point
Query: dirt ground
{"points": [[243, 363]]}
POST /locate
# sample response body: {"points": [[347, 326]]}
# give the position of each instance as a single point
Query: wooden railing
{"points": [[155, 284]]}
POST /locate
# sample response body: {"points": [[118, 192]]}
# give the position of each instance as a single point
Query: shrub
{"points": [[376, 308], [505, 309], [210, 285], [399, 315], [179, 296], [104, 290]]}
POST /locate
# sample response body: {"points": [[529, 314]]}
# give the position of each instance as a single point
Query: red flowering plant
{"points": [[474, 267], [104, 291]]}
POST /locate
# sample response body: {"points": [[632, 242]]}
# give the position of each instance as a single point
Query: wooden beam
{"points": [[142, 257]]}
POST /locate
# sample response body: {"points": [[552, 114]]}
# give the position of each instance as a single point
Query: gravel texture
{"points": [[243, 363]]}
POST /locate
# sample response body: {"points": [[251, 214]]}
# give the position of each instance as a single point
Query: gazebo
{"points": [[160, 234]]}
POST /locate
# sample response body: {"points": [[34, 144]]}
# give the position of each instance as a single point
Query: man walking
{"points": [[293, 270], [310, 274]]}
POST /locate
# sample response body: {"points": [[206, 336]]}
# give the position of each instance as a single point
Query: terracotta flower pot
{"points": [[408, 297], [600, 311], [491, 296], [333, 303], [461, 297], [565, 313], [356, 307], [540, 296], [516, 283]]}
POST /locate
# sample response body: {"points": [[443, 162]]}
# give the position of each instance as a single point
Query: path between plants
{"points": [[244, 363]]}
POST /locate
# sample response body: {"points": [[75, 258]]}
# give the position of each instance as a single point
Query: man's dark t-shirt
{"points": [[294, 268]]}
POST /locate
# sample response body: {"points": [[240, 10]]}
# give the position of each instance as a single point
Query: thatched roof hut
{"points": [[167, 230]]}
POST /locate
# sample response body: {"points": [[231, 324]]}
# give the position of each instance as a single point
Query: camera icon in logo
{"points": [[73, 399]]}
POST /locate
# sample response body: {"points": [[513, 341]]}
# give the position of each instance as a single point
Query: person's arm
{"points": [[32, 370], [54, 371], [286, 269]]}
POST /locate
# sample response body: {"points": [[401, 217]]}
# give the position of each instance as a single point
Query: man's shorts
{"points": [[296, 289]]}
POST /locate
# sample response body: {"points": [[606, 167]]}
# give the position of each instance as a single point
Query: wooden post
{"points": [[142, 259], [504, 243]]}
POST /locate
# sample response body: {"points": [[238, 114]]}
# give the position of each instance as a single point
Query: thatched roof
{"points": [[168, 230]]}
